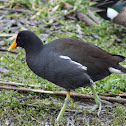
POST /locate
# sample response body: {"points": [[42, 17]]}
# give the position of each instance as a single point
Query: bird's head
{"points": [[25, 39]]}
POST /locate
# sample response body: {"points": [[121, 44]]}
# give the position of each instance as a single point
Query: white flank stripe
{"points": [[79, 65], [111, 13], [113, 70], [65, 57]]}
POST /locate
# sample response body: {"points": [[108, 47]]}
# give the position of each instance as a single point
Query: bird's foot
{"points": [[98, 105], [97, 100]]}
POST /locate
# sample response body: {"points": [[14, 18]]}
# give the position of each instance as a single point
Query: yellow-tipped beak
{"points": [[13, 45]]}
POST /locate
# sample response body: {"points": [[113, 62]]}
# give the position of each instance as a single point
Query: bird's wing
{"points": [[64, 71], [95, 59]]}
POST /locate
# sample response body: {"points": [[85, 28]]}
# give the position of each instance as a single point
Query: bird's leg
{"points": [[97, 100], [67, 99]]}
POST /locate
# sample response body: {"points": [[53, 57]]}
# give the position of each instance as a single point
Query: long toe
{"points": [[98, 101], [93, 108], [99, 106], [105, 102], [99, 110]]}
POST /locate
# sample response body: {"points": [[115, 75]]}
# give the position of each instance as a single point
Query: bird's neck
{"points": [[33, 48]]}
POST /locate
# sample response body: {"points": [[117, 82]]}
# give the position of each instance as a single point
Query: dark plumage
{"points": [[114, 10], [68, 62]]}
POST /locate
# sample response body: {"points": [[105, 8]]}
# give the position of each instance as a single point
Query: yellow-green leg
{"points": [[97, 100], [67, 99]]}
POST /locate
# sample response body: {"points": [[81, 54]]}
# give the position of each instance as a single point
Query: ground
{"points": [[50, 21]]}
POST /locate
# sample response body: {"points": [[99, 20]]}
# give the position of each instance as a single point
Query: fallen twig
{"points": [[16, 10], [112, 95], [93, 17], [1, 7], [6, 35], [54, 9], [11, 38], [4, 50], [19, 84], [66, 6], [4, 0], [34, 16], [2, 43], [82, 17], [63, 93], [49, 18], [21, 26]]}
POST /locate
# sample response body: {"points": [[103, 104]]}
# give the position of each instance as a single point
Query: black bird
{"points": [[69, 63], [113, 10]]}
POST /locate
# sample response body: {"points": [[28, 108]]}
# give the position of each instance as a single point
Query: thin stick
{"points": [[4, 1], [16, 10], [112, 95], [63, 93], [93, 17], [6, 35], [4, 50], [19, 84], [5, 82], [82, 17], [21, 26], [11, 38]]}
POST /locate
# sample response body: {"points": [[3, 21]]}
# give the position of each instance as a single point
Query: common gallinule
{"points": [[114, 10], [69, 63]]}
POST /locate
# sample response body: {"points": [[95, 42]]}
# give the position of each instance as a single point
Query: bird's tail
{"points": [[117, 69], [101, 7], [104, 3], [122, 68]]}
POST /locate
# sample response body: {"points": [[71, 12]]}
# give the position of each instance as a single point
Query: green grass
{"points": [[14, 113]]}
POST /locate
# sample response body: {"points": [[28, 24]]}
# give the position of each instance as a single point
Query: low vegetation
{"points": [[21, 108]]}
